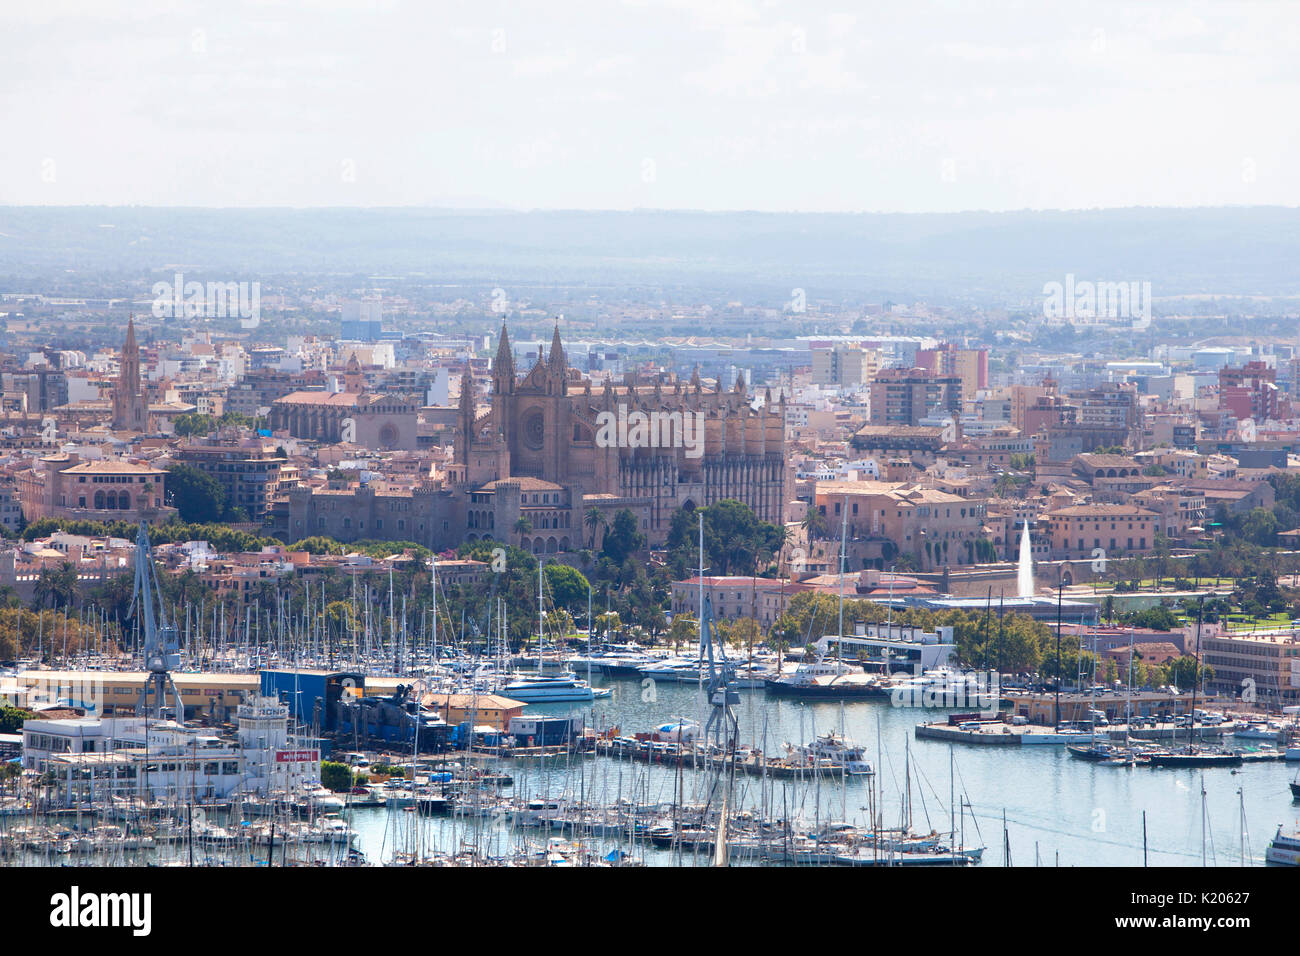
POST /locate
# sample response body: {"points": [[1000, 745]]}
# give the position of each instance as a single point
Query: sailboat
{"points": [[566, 688], [830, 679], [1295, 787], [1102, 752], [1193, 755]]}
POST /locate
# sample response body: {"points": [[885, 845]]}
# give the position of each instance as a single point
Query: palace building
{"points": [[354, 415]]}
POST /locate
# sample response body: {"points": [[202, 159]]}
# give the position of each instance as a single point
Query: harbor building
{"points": [[1263, 663], [105, 693], [893, 647], [94, 759]]}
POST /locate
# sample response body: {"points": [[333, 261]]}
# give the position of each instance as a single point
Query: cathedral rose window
{"points": [[534, 430]]}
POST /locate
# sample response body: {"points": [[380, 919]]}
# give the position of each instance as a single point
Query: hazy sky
{"points": [[897, 106]]}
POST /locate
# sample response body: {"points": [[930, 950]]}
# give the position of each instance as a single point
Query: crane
{"points": [[161, 639]]}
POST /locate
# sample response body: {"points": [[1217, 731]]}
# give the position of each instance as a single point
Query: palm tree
{"points": [[595, 518], [814, 523], [523, 527]]}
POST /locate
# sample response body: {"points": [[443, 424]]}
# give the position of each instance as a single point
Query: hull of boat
{"points": [[1277, 856], [1195, 760], [838, 691]]}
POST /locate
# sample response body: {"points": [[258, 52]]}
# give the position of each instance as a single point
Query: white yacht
{"points": [[1285, 848], [546, 690], [842, 753], [681, 669]]}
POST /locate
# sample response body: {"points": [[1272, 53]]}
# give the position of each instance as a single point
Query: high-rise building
{"points": [[846, 365], [969, 365], [901, 396]]}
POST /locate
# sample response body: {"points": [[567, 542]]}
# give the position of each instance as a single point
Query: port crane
{"points": [[161, 639]]}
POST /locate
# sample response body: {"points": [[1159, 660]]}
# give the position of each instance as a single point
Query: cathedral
{"points": [[541, 452]]}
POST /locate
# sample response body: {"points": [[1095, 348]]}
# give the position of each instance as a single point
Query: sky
{"points": [[712, 104]]}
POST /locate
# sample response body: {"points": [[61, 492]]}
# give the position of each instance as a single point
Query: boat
{"points": [[1295, 787], [541, 689], [1098, 751], [545, 690], [679, 669], [831, 679], [844, 755], [1285, 848], [1192, 755]]}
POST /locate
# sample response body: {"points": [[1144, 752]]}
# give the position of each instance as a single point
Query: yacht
{"points": [[680, 669], [546, 690], [827, 678], [1285, 848], [1194, 756], [1260, 730], [843, 754]]}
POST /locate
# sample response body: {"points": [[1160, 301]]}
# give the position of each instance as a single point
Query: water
{"points": [[1054, 803], [1025, 570], [1057, 807]]}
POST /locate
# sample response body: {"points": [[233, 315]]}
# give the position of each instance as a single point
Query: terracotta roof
{"points": [[1088, 511], [110, 468], [525, 484], [339, 399]]}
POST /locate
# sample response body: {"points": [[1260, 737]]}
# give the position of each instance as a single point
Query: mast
{"points": [[1196, 667], [844, 534]]}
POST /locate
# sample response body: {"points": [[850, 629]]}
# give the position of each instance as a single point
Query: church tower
{"points": [[130, 413], [354, 380]]}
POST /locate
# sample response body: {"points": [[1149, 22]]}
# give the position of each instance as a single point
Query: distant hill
{"points": [[977, 257]]}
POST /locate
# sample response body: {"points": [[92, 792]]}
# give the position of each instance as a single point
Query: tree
{"points": [[1183, 672], [814, 524], [569, 588], [623, 538], [11, 719], [193, 424], [56, 586], [684, 630], [735, 540], [196, 495], [594, 519], [523, 528], [608, 623], [336, 776]]}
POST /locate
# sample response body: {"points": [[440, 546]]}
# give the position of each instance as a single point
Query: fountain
{"points": [[1025, 573]]}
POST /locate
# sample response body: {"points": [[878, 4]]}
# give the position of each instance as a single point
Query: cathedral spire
{"points": [[695, 379], [467, 391], [557, 352], [740, 383], [503, 369]]}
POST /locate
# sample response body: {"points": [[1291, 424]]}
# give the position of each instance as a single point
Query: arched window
{"points": [[99, 501], [124, 501]]}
